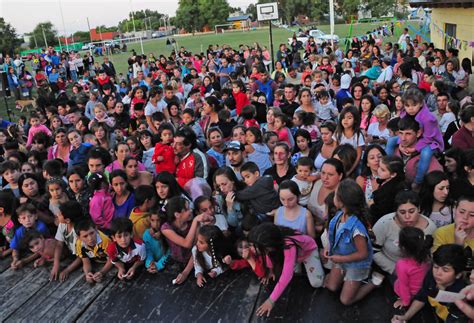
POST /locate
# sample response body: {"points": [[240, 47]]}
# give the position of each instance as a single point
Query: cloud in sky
{"points": [[24, 15]]}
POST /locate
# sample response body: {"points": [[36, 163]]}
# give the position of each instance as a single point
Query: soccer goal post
{"points": [[222, 28]]}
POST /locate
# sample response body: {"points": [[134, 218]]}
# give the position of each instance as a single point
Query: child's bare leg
{"points": [[363, 291], [334, 279], [349, 291]]}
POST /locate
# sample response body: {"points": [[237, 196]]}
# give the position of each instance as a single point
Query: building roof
{"points": [[238, 18], [442, 3]]}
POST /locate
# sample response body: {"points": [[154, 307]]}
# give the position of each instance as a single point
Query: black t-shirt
{"points": [[273, 173], [289, 108]]}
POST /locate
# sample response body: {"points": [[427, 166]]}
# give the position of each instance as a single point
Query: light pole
{"points": [[331, 21], [64, 25], [134, 29]]}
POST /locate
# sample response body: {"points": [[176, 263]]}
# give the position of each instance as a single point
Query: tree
{"points": [[377, 7], [252, 11], [213, 12], [193, 15], [8, 38], [188, 15], [148, 18], [82, 36], [41, 31]]}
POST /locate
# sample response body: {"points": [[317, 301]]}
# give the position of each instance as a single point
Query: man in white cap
{"points": [[344, 92]]}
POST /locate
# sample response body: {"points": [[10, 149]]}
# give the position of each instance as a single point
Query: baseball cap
{"points": [[234, 145]]}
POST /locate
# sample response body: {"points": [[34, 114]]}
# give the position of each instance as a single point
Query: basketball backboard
{"points": [[267, 11]]}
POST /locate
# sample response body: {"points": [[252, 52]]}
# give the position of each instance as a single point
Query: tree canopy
{"points": [[194, 15], [8, 38], [49, 32]]}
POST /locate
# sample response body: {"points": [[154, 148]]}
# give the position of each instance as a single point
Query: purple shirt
{"points": [[431, 136]]}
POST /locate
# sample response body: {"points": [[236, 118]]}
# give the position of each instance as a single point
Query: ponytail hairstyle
{"points": [[395, 165], [96, 182], [414, 244], [307, 118], [217, 247], [176, 204]]}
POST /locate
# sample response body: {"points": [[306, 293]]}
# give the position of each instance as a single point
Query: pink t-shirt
{"points": [[292, 255], [410, 275]]}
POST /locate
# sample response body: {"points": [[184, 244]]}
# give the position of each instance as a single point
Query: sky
{"points": [[24, 15]]}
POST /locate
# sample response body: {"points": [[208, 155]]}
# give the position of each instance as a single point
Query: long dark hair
{"points": [[458, 155], [175, 204], [426, 191], [170, 181], [218, 248], [352, 197], [340, 129], [230, 175], [271, 240], [414, 244], [369, 98], [366, 169]]}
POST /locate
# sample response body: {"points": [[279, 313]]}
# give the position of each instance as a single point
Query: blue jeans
{"points": [[74, 75], [423, 164], [392, 143]]}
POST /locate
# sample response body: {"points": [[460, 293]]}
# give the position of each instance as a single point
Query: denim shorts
{"points": [[355, 274]]}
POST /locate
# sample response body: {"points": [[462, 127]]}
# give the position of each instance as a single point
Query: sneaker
{"points": [[377, 278]]}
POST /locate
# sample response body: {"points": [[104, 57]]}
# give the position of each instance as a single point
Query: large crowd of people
{"points": [[354, 168]]}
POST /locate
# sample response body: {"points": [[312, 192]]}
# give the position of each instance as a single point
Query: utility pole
{"points": [[44, 37], [64, 25], [34, 37], [134, 28], [89, 26]]}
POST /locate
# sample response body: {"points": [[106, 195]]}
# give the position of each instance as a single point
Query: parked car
{"points": [[88, 46], [318, 35], [157, 34]]}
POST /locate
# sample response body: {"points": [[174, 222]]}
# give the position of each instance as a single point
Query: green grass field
{"points": [[200, 42]]}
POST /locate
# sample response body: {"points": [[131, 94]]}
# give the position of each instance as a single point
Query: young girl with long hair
{"points": [[435, 199], [157, 250], [208, 253], [55, 188], [306, 121], [215, 140], [350, 248], [256, 150], [367, 106], [101, 206], [391, 179], [302, 146], [282, 248], [148, 147], [412, 268], [348, 132], [180, 232], [123, 197], [291, 214], [280, 127]]}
